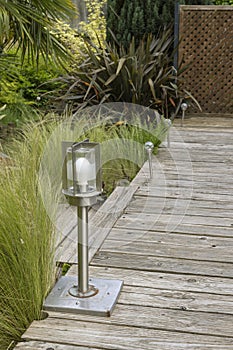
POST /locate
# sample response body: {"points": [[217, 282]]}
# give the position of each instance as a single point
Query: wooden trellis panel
{"points": [[206, 34]]}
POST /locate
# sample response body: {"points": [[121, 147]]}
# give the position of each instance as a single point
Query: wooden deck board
{"points": [[184, 323], [165, 346], [172, 245], [104, 335]]}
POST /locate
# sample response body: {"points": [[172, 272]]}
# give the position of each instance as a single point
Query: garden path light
{"points": [[149, 146], [184, 107], [81, 183]]}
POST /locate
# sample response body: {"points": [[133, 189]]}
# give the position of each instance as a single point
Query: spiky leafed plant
{"points": [[142, 75], [27, 25]]}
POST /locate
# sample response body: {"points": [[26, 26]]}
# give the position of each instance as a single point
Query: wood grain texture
{"points": [[34, 345], [164, 280], [110, 334], [170, 239], [164, 264], [38, 345]]}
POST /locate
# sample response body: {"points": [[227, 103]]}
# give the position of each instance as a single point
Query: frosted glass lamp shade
{"points": [[81, 168]]}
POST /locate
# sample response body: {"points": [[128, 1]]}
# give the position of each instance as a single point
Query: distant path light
{"points": [[149, 146], [184, 107]]}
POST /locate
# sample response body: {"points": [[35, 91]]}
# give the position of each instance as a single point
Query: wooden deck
{"points": [[172, 246]]}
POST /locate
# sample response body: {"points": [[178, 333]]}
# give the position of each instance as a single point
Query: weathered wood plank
{"points": [[138, 290], [196, 165], [163, 264], [65, 222], [201, 230], [191, 182], [198, 158], [186, 163], [151, 318], [124, 237], [38, 345], [199, 146], [198, 150], [185, 175], [113, 334], [164, 280], [146, 221], [168, 206], [170, 245], [34, 345], [172, 205], [178, 250], [202, 136], [179, 192], [151, 297]]}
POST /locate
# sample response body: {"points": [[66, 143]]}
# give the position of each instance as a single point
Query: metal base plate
{"points": [[101, 304]]}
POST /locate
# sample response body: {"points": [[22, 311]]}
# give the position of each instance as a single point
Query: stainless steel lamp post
{"points": [[81, 182]]}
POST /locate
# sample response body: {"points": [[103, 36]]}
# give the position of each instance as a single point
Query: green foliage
{"points": [[196, 2], [223, 2], [137, 18], [24, 88], [21, 91], [65, 268], [126, 160], [94, 29], [26, 25], [26, 236], [128, 19], [142, 75]]}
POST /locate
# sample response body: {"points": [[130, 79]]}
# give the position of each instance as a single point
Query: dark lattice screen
{"points": [[206, 34]]}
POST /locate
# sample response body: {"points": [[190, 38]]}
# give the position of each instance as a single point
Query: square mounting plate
{"points": [[101, 304]]}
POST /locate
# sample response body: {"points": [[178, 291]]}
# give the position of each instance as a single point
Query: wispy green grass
{"points": [[123, 152], [26, 237]]}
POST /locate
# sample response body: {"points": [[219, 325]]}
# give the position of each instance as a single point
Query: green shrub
{"points": [[24, 91], [133, 19], [128, 19]]}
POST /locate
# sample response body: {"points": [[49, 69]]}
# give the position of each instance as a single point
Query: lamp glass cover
{"points": [[81, 170]]}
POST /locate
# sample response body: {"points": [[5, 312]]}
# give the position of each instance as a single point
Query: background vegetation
{"points": [[128, 19], [141, 74]]}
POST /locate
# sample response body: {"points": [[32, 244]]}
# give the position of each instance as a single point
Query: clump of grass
{"points": [[26, 236], [123, 152]]}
